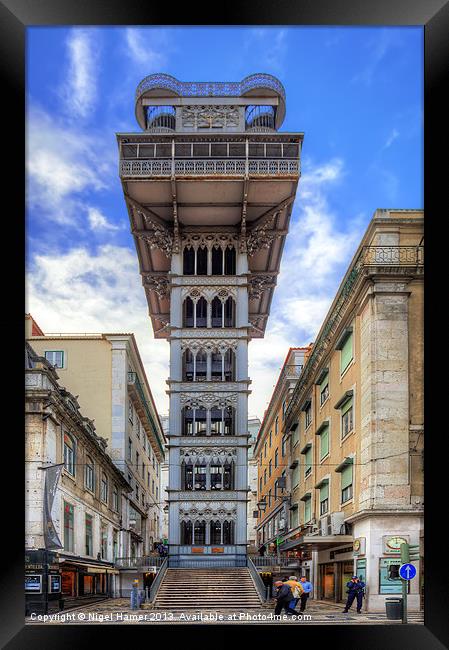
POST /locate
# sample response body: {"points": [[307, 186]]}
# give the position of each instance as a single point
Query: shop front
{"points": [[86, 579]]}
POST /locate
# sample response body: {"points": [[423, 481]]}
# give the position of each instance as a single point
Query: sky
{"points": [[355, 92]]}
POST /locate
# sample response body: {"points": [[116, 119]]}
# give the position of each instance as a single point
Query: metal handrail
{"points": [[258, 582], [157, 581], [197, 166], [137, 562]]}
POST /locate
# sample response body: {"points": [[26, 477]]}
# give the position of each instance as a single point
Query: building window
{"points": [[115, 499], [324, 389], [283, 448], [68, 527], [346, 483], [137, 492], [69, 454], [265, 450], [270, 467], [276, 458], [130, 449], [89, 535], [347, 418], [308, 462], [115, 544], [104, 488], [104, 542], [152, 486], [307, 510], [55, 357], [157, 493], [269, 438], [284, 406], [346, 353], [269, 499], [308, 415], [324, 498], [276, 424], [89, 476], [130, 410], [324, 442], [148, 478], [137, 462], [260, 484], [265, 477], [295, 477]]}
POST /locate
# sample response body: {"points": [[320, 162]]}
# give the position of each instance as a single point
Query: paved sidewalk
{"points": [[118, 611]]}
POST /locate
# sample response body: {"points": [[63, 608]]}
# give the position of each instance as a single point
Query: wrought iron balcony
{"points": [[139, 562]]}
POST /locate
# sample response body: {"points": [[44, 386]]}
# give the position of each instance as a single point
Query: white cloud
{"points": [[80, 86], [98, 221], [391, 138], [316, 255], [378, 47], [267, 46], [81, 292], [146, 48], [62, 163]]}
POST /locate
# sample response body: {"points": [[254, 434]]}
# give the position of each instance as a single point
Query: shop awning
{"points": [[317, 542], [90, 568]]}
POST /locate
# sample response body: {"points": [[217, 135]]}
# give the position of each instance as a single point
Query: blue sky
{"points": [[356, 93]]}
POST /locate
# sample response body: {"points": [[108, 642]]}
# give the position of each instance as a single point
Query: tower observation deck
{"points": [[209, 185]]}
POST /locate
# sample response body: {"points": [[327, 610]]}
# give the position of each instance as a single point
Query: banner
{"points": [[52, 474]]}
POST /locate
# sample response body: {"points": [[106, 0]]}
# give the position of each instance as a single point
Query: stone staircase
{"points": [[210, 589]]}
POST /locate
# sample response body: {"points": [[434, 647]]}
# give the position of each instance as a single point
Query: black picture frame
{"points": [[15, 17]]}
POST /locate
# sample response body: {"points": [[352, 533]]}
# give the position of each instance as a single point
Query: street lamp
{"points": [[262, 504]]}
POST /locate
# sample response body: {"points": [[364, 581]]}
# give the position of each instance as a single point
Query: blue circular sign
{"points": [[407, 571]]}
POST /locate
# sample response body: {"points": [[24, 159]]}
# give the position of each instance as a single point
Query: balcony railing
{"points": [[133, 379], [283, 561], [143, 168], [139, 562]]}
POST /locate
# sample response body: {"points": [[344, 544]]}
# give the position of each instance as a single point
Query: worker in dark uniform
{"points": [[356, 589]]}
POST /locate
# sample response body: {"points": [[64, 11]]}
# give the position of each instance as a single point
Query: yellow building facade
{"points": [[355, 422]]}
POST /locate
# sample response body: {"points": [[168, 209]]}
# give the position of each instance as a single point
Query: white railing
{"points": [[199, 167]]}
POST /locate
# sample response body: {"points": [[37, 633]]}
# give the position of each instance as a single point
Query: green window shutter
{"points": [[346, 476], [346, 406], [308, 459], [307, 510], [346, 353], [324, 442], [295, 436], [295, 476], [324, 383], [324, 491]]}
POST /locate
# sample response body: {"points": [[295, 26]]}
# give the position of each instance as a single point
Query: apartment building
{"points": [[355, 422], [271, 454], [106, 374]]}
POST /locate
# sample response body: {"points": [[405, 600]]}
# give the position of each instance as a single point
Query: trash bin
{"points": [[393, 607]]}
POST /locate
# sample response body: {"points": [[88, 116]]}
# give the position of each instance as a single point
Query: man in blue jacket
{"points": [[356, 589]]}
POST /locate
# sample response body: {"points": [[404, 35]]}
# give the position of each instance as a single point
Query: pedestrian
{"points": [[296, 588], [262, 550], [355, 589], [307, 589], [283, 596]]}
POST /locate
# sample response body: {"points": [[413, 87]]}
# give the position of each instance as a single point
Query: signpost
{"points": [[407, 572]]}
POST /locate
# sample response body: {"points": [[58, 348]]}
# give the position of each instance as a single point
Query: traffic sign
{"points": [[407, 571]]}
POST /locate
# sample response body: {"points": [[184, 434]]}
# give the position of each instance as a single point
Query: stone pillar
{"points": [[384, 483]]}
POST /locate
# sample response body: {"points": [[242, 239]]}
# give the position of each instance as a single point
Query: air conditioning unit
{"points": [[314, 529], [337, 520]]}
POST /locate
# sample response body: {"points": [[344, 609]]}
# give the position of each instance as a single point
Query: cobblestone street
{"points": [[118, 611]]}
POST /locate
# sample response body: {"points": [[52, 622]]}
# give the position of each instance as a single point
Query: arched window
{"points": [[199, 536], [186, 532], [201, 313], [215, 532], [89, 475], [188, 261], [195, 422], [187, 475], [229, 313], [222, 366], [230, 261], [217, 312], [188, 312], [201, 261], [69, 454], [228, 532], [201, 366], [199, 477], [217, 261]]}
